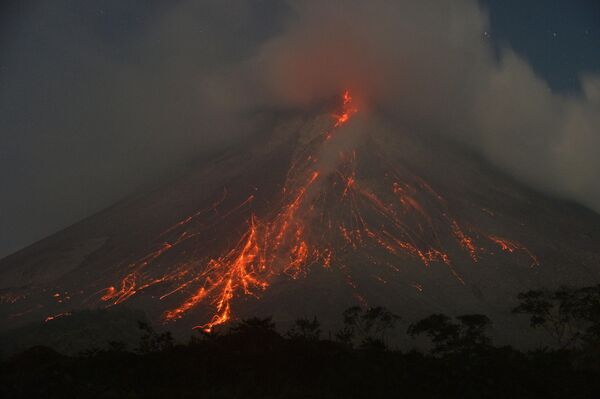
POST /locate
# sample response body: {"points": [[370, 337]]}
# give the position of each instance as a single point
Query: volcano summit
{"points": [[319, 213]]}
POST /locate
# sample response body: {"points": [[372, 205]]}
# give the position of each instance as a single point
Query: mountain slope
{"points": [[319, 214]]}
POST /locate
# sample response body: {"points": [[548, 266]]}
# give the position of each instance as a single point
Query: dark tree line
{"points": [[570, 315], [253, 360]]}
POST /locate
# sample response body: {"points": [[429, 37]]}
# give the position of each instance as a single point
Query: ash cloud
{"points": [[431, 65], [100, 99]]}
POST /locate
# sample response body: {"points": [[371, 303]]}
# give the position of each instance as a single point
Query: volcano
{"points": [[317, 213]]}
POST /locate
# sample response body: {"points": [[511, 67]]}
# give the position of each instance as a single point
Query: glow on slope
{"points": [[324, 218]]}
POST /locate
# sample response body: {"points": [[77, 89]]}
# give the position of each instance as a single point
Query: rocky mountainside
{"points": [[317, 214]]}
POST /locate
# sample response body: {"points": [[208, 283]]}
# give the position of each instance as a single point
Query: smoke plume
{"points": [[432, 67]]}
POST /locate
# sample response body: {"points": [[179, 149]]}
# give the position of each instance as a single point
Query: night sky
{"points": [[560, 39], [96, 98]]}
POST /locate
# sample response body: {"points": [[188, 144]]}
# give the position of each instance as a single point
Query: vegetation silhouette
{"points": [[570, 315], [450, 337], [252, 359]]}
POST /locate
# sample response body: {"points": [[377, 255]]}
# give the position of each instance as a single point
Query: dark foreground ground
{"points": [[253, 360]]}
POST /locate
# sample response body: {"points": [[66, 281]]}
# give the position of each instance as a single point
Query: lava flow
{"points": [[326, 217]]}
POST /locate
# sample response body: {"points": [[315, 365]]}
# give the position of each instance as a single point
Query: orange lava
{"points": [[56, 316], [465, 241], [512, 246], [324, 219], [347, 110]]}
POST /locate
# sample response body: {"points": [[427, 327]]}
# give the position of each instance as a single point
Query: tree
{"points": [[473, 327], [254, 325], [152, 341], [253, 334], [305, 329], [448, 336], [370, 326], [571, 316]]}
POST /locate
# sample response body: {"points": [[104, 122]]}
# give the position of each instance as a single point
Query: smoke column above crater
{"points": [[431, 66]]}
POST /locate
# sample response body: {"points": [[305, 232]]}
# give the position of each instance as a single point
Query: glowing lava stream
{"points": [[307, 230], [261, 248]]}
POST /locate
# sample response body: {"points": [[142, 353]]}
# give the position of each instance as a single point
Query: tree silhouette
{"points": [[254, 325], [253, 334], [369, 326], [252, 360], [571, 316], [305, 329], [152, 341], [448, 336], [473, 328]]}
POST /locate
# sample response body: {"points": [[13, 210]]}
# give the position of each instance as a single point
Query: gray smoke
{"points": [[431, 64]]}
